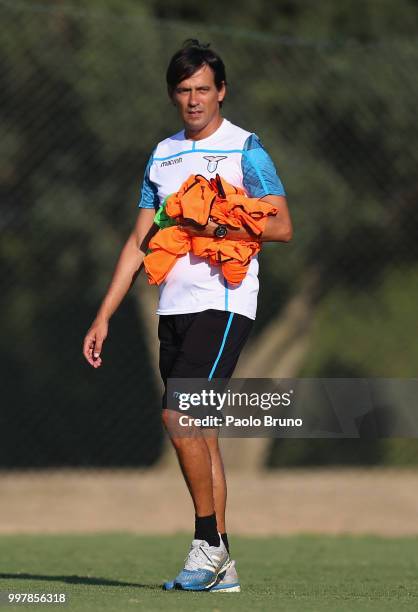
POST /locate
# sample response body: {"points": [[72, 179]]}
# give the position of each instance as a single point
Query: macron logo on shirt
{"points": [[170, 162]]}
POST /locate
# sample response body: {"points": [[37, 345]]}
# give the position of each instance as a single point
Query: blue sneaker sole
{"points": [[220, 588], [173, 585], [170, 586]]}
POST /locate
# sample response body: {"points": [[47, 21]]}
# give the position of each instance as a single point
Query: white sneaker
{"points": [[202, 567]]}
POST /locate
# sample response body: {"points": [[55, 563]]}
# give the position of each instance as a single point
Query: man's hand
{"points": [[93, 342]]}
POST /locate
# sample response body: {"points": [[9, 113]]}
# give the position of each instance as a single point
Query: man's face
{"points": [[197, 100]]}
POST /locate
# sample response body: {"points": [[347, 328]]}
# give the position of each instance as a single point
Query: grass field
{"points": [[304, 573]]}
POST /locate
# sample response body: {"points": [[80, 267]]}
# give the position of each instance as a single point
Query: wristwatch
{"points": [[220, 231]]}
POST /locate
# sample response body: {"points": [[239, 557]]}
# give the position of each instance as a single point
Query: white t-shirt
{"points": [[238, 156]]}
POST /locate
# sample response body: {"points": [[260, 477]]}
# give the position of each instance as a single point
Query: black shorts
{"points": [[203, 344]]}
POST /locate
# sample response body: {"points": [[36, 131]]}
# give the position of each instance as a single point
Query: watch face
{"points": [[221, 231]]}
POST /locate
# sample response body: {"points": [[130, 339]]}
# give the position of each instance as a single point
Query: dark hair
{"points": [[189, 59]]}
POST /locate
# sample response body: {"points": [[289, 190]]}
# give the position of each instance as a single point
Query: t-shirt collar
{"points": [[215, 134]]}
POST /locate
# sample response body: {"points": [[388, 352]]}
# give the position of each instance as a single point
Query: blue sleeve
{"points": [[259, 173], [149, 194]]}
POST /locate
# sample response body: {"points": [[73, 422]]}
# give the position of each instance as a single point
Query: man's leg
{"points": [[195, 463], [219, 484], [192, 451], [208, 556], [201, 463], [227, 580], [219, 489], [210, 343]]}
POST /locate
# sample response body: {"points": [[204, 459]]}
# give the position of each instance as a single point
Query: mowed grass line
{"points": [[121, 572]]}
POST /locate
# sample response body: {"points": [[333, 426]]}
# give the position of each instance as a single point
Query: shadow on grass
{"points": [[90, 580]]}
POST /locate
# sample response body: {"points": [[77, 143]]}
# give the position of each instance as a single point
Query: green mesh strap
{"points": [[162, 219]]}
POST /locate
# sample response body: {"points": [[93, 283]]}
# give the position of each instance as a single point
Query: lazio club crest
{"points": [[213, 161]]}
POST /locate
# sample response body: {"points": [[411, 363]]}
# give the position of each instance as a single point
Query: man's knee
{"points": [[181, 434]]}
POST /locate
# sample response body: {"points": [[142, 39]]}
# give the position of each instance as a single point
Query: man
{"points": [[204, 323]]}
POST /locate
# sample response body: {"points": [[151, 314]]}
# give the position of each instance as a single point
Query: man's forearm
{"points": [[276, 230], [126, 271], [278, 227]]}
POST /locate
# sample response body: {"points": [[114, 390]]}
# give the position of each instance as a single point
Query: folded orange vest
{"points": [[196, 201]]}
